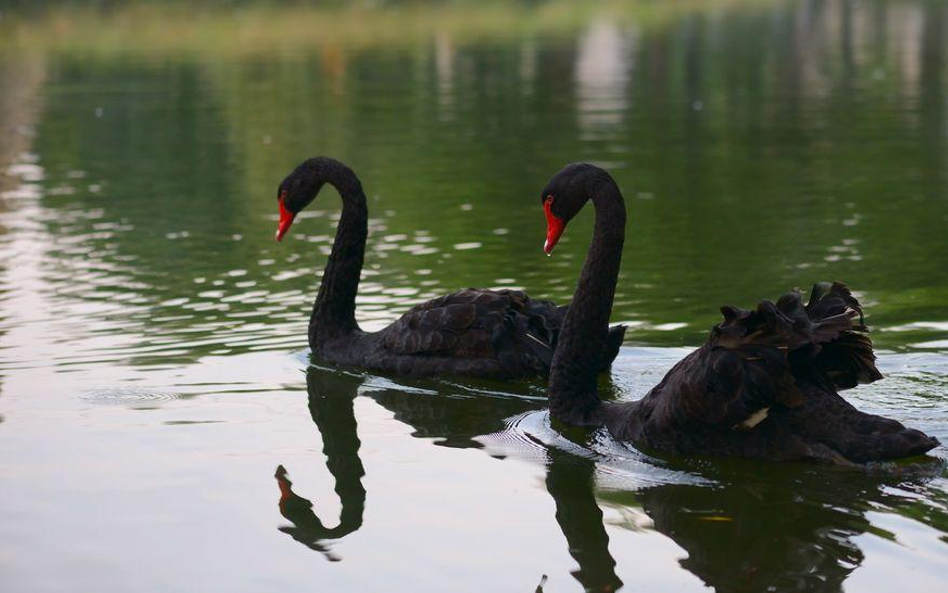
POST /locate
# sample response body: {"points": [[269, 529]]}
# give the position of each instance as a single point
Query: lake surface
{"points": [[156, 395]]}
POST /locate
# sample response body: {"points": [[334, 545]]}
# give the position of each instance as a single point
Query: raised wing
{"points": [[758, 359]]}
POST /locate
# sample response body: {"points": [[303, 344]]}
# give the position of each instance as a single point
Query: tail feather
{"points": [[613, 342]]}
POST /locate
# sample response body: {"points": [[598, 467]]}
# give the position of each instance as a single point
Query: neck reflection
{"points": [[331, 400], [762, 526], [451, 421]]}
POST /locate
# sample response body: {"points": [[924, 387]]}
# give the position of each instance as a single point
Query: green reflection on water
{"points": [[757, 153], [760, 146]]}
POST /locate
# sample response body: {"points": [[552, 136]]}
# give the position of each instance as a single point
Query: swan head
{"points": [[564, 196], [297, 191]]}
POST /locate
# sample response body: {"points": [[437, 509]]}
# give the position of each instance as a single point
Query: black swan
{"points": [[484, 333], [765, 383]]}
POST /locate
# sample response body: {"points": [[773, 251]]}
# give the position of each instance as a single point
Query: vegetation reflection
{"points": [[753, 162]]}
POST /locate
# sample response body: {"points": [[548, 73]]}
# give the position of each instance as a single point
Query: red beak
{"points": [[286, 219], [554, 227]]}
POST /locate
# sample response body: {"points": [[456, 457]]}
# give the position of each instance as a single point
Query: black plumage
{"points": [[486, 333], [764, 385]]}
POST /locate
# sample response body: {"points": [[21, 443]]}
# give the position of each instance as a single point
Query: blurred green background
{"points": [[761, 145]]}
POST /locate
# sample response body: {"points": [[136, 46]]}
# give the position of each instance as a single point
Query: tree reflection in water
{"points": [[759, 527]]}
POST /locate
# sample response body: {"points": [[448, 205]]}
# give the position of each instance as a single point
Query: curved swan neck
{"points": [[572, 388], [335, 418], [334, 309]]}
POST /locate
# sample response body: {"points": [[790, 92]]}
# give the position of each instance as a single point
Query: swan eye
{"points": [[548, 201]]}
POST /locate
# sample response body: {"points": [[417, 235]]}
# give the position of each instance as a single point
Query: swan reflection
{"points": [[330, 406], [748, 526]]}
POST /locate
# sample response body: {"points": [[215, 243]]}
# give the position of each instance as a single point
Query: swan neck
{"points": [[334, 309], [582, 340]]}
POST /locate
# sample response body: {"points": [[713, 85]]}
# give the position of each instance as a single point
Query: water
{"points": [[153, 365]]}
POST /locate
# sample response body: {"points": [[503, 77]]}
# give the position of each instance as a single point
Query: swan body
{"points": [[476, 332], [766, 383]]}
